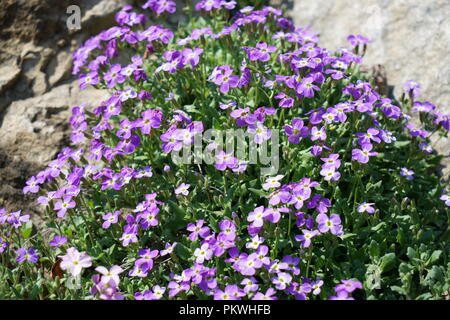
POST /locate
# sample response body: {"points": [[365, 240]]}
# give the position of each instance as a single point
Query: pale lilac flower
{"points": [[255, 242], [362, 155], [316, 286], [318, 134], [366, 207], [75, 261], [282, 280], [111, 274], [348, 285], [168, 249], [256, 217], [332, 224], [305, 239], [330, 174], [272, 182], [183, 189], [203, 253], [408, 174], [110, 218], [269, 295], [446, 199], [260, 132], [198, 230]]}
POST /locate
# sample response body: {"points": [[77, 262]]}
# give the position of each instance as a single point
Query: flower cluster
{"points": [[127, 221]]}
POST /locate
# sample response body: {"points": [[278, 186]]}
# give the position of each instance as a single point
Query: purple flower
{"points": [[332, 224], [255, 242], [269, 295], [408, 174], [305, 239], [64, 205], [146, 257], [110, 218], [366, 207], [299, 196], [160, 6], [251, 284], [362, 156], [129, 236], [348, 286], [208, 5], [307, 87], [329, 173], [369, 136], [292, 263], [183, 189], [168, 249], [425, 147], [296, 131], [198, 230], [341, 295], [26, 255], [261, 52], [114, 76], [248, 264], [315, 286], [332, 161], [58, 241], [357, 40], [282, 280], [32, 185], [222, 76], [91, 78], [192, 56], [412, 88], [224, 161], [231, 292], [285, 101]]}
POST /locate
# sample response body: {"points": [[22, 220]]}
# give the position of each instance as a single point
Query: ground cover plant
{"points": [[354, 207]]}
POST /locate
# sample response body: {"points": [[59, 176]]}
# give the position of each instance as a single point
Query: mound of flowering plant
{"points": [[334, 193]]}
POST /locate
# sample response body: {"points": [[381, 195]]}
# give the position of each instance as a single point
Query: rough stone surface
{"points": [[37, 89], [411, 39]]}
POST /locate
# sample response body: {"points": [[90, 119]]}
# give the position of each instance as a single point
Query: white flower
{"points": [[75, 261]]}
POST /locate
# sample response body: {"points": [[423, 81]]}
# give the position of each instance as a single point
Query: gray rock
{"points": [[37, 126], [9, 73]]}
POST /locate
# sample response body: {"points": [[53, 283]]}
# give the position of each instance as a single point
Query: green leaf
{"points": [[373, 277], [411, 253], [399, 144], [260, 193], [347, 235], [374, 249], [27, 229], [434, 257], [398, 289], [387, 262]]}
